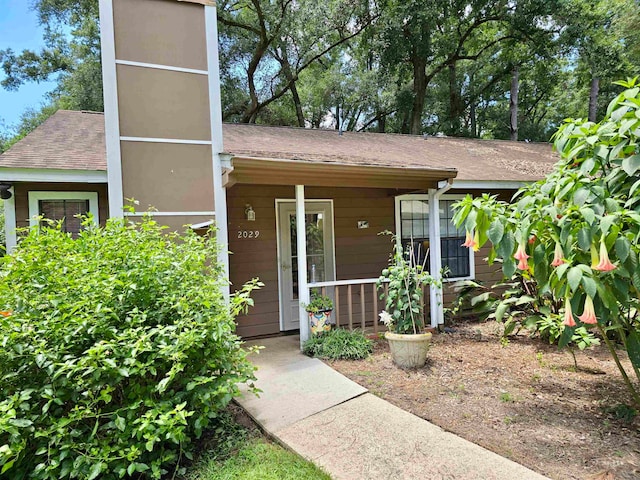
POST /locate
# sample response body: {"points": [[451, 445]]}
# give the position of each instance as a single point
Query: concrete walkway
{"points": [[338, 425]]}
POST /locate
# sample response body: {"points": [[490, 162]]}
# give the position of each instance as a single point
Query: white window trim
{"points": [[425, 197], [35, 197]]}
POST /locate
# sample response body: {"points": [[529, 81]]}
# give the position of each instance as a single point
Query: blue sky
{"points": [[19, 29]]}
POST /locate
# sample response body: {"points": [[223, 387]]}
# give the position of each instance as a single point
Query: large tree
{"points": [[267, 44]]}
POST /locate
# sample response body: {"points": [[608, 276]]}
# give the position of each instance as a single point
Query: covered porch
{"points": [[315, 226]]}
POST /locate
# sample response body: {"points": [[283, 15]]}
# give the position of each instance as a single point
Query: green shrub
{"points": [[338, 344], [117, 350]]}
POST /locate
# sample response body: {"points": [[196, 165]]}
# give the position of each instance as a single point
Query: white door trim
{"points": [[279, 246]]}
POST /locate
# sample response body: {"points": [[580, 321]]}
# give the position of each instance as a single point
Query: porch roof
{"points": [[273, 171]]}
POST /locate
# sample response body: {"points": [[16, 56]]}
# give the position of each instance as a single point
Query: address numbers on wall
{"points": [[248, 233]]}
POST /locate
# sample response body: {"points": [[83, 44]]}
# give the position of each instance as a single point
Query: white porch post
{"points": [[10, 221], [301, 251], [435, 261]]}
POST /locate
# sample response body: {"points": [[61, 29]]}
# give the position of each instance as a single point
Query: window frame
{"points": [[36, 196], [425, 197]]}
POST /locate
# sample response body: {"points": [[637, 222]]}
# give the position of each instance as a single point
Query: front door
{"points": [[320, 254]]}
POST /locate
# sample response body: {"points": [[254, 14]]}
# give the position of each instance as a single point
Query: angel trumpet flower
{"points": [[471, 241], [6, 314], [605, 264], [522, 256], [568, 315], [558, 256], [588, 315]]}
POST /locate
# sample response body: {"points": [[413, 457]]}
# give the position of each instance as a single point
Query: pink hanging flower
{"points": [[476, 242], [468, 240], [471, 241], [568, 315], [605, 264], [589, 314], [521, 255], [558, 256]]}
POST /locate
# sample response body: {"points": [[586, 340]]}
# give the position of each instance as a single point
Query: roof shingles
{"points": [[75, 140]]}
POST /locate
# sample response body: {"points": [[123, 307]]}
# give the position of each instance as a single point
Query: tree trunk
{"points": [[472, 114], [382, 123], [286, 69], [337, 117], [513, 104], [419, 94], [593, 98], [454, 102], [298, 104]]}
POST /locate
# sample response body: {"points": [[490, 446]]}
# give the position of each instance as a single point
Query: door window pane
{"points": [[316, 271]]}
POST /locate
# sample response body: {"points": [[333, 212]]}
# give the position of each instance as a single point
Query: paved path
{"points": [[353, 435]]}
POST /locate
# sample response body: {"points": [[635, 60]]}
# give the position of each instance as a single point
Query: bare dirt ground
{"points": [[524, 401]]}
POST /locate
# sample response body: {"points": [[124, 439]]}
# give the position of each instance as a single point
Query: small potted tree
{"points": [[319, 310], [404, 309]]}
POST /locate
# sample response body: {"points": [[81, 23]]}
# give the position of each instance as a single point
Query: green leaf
{"points": [[496, 231], [96, 469], [508, 267], [506, 247], [120, 423], [631, 164], [573, 277], [7, 466], [588, 215], [584, 239], [633, 347], [566, 337], [580, 196], [589, 285], [605, 223], [501, 309], [623, 248]]}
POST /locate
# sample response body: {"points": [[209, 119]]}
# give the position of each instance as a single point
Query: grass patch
{"points": [[257, 460], [339, 344]]}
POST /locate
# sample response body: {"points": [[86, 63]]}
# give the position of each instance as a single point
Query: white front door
{"points": [[320, 254]]}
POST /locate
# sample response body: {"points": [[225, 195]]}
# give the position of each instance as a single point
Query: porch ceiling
{"points": [[267, 171]]}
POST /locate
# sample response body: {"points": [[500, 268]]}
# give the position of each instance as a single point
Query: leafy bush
{"points": [[576, 234], [338, 344], [405, 279], [117, 351]]}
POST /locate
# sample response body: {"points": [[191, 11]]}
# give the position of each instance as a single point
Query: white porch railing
{"points": [[357, 302]]}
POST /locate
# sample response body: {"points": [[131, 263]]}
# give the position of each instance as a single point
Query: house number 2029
{"points": [[248, 233]]}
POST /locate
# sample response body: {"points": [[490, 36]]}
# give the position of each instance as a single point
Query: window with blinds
{"points": [[67, 211], [414, 229]]}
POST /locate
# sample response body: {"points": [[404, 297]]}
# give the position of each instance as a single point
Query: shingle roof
{"points": [[473, 158], [75, 140], [67, 140]]}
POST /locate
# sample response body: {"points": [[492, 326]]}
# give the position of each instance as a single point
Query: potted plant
{"points": [[319, 310], [404, 310]]}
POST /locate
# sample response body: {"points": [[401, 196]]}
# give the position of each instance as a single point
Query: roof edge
{"points": [[51, 175]]}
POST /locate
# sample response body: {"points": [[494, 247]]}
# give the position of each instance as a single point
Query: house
{"points": [[301, 209]]}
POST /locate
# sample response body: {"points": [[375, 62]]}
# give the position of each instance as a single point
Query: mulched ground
{"points": [[524, 401]]}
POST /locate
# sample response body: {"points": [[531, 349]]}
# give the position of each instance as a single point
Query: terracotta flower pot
{"points": [[320, 321], [409, 350]]}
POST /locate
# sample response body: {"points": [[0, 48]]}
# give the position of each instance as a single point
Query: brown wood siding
{"points": [[360, 253], [21, 193]]}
